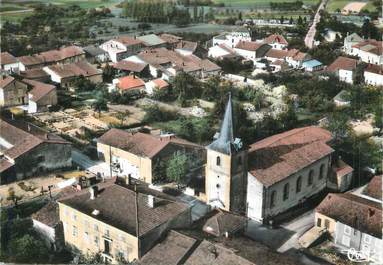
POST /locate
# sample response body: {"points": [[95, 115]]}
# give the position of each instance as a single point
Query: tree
{"points": [[122, 116], [99, 105], [108, 73], [177, 168], [28, 248], [339, 126]]}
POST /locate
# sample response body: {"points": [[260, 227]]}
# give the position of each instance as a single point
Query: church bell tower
{"points": [[226, 167]]}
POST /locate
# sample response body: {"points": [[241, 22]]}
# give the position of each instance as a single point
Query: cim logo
{"points": [[362, 256]]}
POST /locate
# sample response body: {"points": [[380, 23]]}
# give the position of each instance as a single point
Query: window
{"points": [[107, 233], [74, 231], [327, 223], [346, 241], [347, 230], [367, 239], [311, 177], [321, 171], [272, 198], [96, 240], [286, 191], [95, 227], [74, 217], [218, 161], [86, 237], [299, 184], [66, 211], [86, 223], [319, 222]]}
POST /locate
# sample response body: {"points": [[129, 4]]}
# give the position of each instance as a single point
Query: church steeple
{"points": [[225, 141]]}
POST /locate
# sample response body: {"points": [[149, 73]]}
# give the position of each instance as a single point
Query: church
{"points": [[270, 176]]}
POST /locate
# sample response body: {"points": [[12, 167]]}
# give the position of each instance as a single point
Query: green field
{"points": [[14, 10], [333, 5], [259, 3]]}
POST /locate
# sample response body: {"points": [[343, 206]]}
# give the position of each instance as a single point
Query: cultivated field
{"points": [[334, 5]]}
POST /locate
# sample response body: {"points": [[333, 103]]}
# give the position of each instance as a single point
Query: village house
{"points": [[251, 50], [65, 55], [373, 75], [126, 228], [122, 47], [295, 58], [155, 84], [94, 54], [13, 92], [349, 41], [275, 54], [231, 39], [221, 223], [37, 74], [171, 40], [27, 150], [312, 65], [369, 51], [186, 47], [152, 41], [165, 64], [221, 51], [129, 83], [41, 96], [125, 67], [250, 180], [9, 63], [344, 68], [276, 41], [353, 222], [138, 154], [64, 74]]}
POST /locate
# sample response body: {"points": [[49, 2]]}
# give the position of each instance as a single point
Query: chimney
{"points": [[93, 192], [151, 201]]}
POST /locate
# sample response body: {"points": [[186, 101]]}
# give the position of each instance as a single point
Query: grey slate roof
{"points": [[225, 140], [94, 50]]}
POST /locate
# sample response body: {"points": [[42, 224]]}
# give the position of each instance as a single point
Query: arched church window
{"points": [[311, 177], [218, 161], [299, 184], [286, 191], [321, 171]]}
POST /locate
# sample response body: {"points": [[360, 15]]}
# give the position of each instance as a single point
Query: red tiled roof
{"points": [[128, 41], [274, 53], [372, 46], [187, 45], [343, 63], [140, 144], [6, 81], [34, 73], [30, 60], [277, 157], [169, 38], [360, 213], [374, 187], [51, 56], [341, 169], [39, 90], [7, 58], [275, 38], [160, 83], [130, 82], [75, 69], [130, 66], [373, 68], [249, 45]]}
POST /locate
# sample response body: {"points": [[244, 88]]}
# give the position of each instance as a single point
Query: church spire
{"points": [[225, 138]]}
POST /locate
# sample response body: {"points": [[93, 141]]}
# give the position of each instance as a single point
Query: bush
{"points": [[157, 114]]}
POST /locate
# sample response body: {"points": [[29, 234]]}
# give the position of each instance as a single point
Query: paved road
{"points": [[284, 239], [89, 164], [309, 39]]}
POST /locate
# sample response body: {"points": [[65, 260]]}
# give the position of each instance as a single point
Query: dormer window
{"points": [[218, 161]]}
